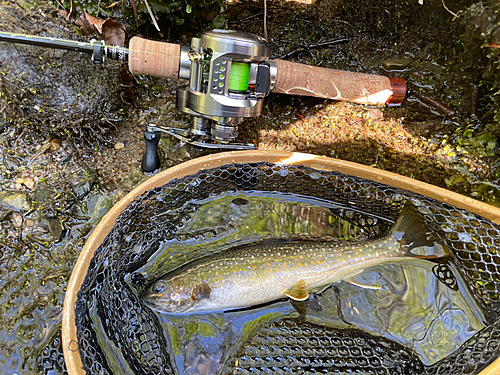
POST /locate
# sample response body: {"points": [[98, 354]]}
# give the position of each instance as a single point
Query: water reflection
{"points": [[411, 306]]}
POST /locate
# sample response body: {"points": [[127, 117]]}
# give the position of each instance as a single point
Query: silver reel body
{"points": [[217, 104]]}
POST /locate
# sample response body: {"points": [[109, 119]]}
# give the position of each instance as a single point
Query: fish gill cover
{"points": [[118, 334]]}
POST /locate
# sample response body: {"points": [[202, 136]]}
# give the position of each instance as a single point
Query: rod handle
{"points": [[299, 79], [152, 58]]}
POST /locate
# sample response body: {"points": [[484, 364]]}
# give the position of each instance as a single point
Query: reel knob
{"points": [[151, 160]]}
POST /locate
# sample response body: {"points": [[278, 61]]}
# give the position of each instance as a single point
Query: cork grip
{"points": [[299, 79], [152, 58]]}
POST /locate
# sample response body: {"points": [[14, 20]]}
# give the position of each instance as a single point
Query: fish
{"points": [[246, 276]]}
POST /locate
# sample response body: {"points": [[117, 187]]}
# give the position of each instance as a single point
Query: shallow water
{"points": [[403, 301]]}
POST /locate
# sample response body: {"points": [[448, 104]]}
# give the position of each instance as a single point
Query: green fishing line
{"points": [[238, 79]]}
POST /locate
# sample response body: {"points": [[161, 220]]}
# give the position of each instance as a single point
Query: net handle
{"points": [[299, 79], [69, 337]]}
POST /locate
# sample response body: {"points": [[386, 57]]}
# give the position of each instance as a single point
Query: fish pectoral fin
{"points": [[298, 292], [201, 292]]}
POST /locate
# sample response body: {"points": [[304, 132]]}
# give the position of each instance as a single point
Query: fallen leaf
{"points": [[127, 83], [63, 13], [94, 21], [113, 33], [87, 27]]}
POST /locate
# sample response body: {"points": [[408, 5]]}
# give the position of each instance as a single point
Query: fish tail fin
{"points": [[414, 235]]}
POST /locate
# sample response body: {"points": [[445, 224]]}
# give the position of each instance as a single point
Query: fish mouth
{"points": [[155, 302]]}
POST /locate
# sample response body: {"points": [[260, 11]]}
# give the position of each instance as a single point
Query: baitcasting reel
{"points": [[229, 75]]}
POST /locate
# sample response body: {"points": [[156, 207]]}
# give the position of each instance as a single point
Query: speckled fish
{"points": [[252, 275]]}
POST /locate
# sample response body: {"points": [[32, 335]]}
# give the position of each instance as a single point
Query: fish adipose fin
{"points": [[414, 235], [201, 292], [298, 292]]}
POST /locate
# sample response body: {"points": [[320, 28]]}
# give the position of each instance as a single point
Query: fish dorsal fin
{"points": [[201, 292], [298, 292], [412, 229]]}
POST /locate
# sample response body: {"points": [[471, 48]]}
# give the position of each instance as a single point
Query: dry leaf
{"points": [[127, 83], [113, 33], [94, 21], [63, 13], [87, 27], [28, 182]]}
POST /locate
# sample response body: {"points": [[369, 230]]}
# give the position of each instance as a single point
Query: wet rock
{"points": [[119, 146], [395, 64], [26, 182], [55, 228], [50, 229], [51, 89], [85, 180], [4, 213], [94, 207], [11, 162], [45, 229], [14, 200], [17, 220], [42, 195]]}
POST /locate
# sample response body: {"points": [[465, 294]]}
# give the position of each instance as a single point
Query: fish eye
{"points": [[159, 287]]}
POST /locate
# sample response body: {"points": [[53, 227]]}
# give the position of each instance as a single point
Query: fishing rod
{"points": [[97, 49], [227, 74]]}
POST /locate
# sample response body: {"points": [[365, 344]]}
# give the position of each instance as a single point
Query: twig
{"points": [[324, 44], [70, 11], [265, 20], [449, 11], [151, 14], [248, 18], [134, 6]]}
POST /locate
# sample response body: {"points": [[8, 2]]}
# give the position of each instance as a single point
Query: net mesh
{"points": [[118, 334], [50, 361], [291, 346]]}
